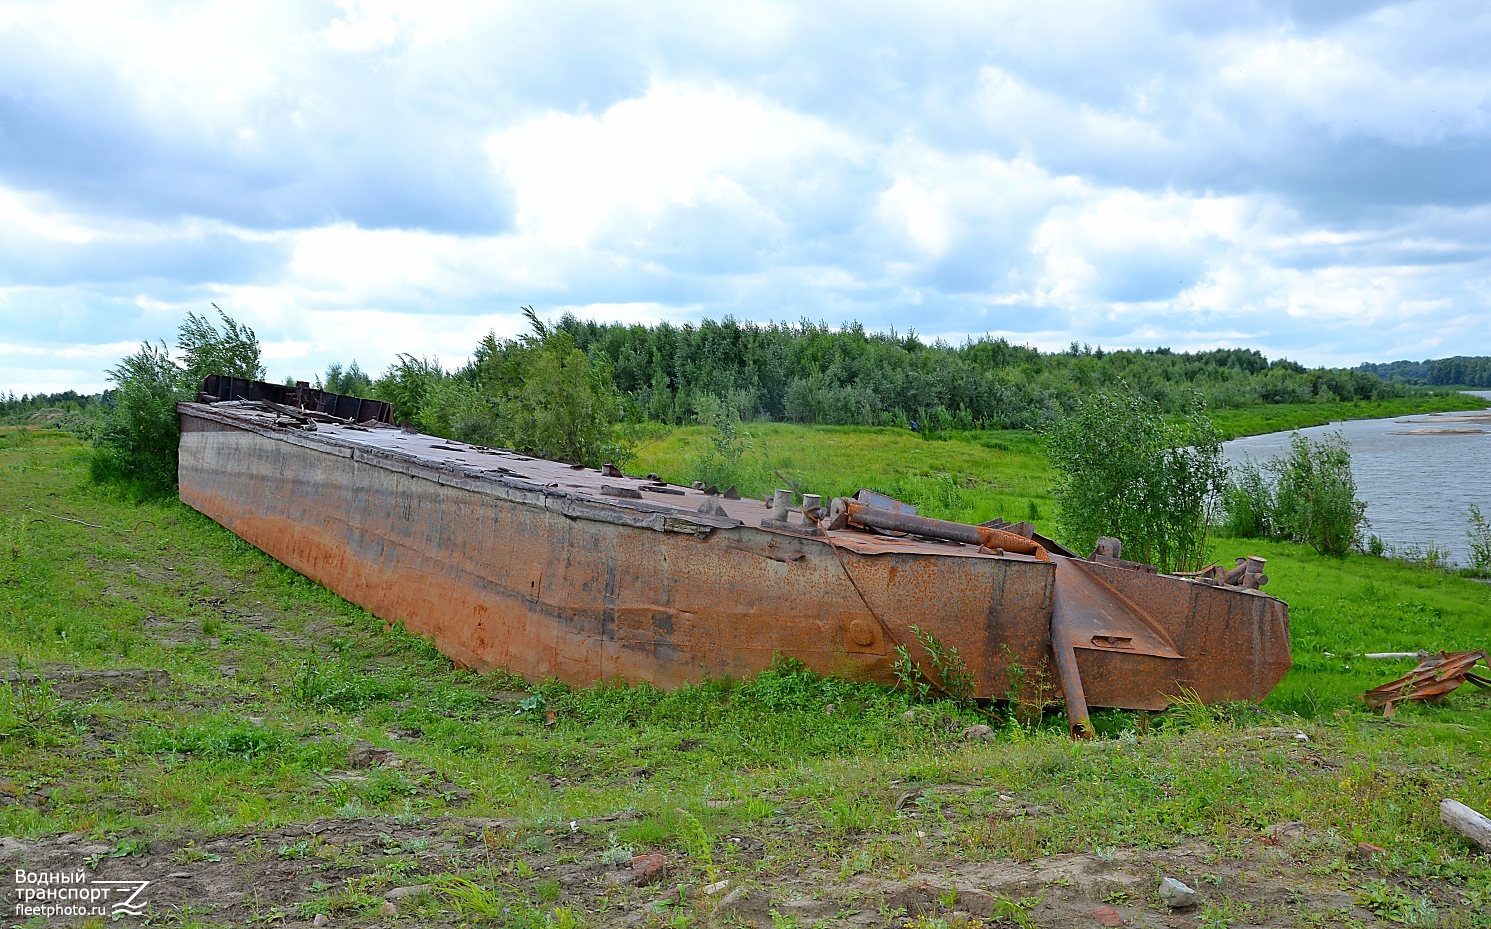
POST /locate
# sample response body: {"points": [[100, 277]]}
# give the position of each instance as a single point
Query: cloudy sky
{"points": [[358, 179]]}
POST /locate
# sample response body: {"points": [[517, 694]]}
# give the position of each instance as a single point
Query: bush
{"points": [[728, 459], [137, 440], [564, 406], [1479, 536], [1315, 499], [1123, 469], [1312, 499], [553, 401], [1248, 503], [408, 384]]}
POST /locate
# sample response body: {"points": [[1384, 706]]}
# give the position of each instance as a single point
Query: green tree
{"points": [[1314, 500], [232, 351], [350, 381], [408, 384], [1122, 469], [137, 441], [552, 399]]}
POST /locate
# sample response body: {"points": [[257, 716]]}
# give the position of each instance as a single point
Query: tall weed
{"points": [[1479, 536]]}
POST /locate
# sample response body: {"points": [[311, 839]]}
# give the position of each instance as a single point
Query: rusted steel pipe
{"points": [[1065, 657], [858, 514]]}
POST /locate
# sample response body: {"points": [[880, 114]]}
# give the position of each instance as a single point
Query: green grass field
{"points": [[1281, 417], [234, 748]]}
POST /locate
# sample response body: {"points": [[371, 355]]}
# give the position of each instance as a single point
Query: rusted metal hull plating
{"points": [[507, 561]]}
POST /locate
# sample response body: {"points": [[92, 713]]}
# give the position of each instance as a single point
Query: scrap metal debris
{"points": [[1435, 678], [1248, 574]]}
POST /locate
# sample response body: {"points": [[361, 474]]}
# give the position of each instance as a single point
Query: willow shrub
{"points": [[137, 439], [1123, 469], [1311, 499]]}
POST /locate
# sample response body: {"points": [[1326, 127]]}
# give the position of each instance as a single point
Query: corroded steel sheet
{"points": [[1436, 677], [508, 561]]}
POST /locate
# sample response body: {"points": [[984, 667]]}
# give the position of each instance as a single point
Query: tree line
{"points": [[1459, 371], [560, 389], [1130, 446], [812, 373]]}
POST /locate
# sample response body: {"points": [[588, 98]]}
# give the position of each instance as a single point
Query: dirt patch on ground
{"points": [[71, 683], [384, 871]]}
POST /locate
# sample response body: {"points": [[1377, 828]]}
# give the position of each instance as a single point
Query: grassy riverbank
{"points": [[969, 476], [1257, 420], [267, 752]]}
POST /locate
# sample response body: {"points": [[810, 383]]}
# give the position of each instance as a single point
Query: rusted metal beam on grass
{"points": [[1435, 678]]}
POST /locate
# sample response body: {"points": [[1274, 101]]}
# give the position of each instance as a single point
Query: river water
{"points": [[1417, 474]]}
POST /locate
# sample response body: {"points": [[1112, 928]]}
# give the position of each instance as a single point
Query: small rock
{"points": [[1106, 915], [733, 899], [711, 889], [649, 868], [1301, 738], [388, 909], [830, 709], [453, 792], [179, 875], [321, 920], [413, 890], [1176, 895], [979, 733], [9, 846], [673, 897], [95, 849], [909, 716], [367, 755]]}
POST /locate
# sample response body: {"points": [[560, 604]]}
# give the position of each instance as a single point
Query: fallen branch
{"points": [[69, 519], [1466, 821]]}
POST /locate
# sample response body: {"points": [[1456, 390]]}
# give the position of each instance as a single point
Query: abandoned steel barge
{"points": [[548, 569]]}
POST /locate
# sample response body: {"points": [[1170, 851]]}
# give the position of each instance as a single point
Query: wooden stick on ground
{"points": [[1467, 822]]}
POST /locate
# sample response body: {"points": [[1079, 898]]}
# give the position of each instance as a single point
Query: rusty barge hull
{"points": [[506, 561]]}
